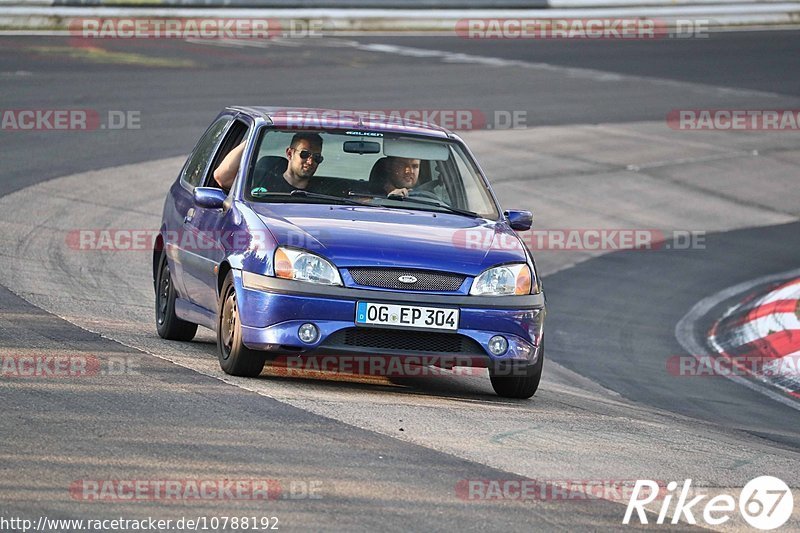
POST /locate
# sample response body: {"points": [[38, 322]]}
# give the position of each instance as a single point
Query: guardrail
{"points": [[388, 4], [335, 16]]}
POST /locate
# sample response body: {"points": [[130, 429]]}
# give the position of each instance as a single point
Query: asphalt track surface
{"points": [[607, 410]]}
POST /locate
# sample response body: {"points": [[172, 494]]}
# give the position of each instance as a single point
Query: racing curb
{"points": [[764, 327], [342, 21]]}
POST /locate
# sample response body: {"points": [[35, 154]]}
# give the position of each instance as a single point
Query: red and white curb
{"points": [[764, 331], [686, 332]]}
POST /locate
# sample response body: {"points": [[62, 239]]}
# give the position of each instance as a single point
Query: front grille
{"points": [[403, 340], [387, 278]]}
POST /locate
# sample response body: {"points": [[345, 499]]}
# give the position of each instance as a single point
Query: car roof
{"points": [[336, 119]]}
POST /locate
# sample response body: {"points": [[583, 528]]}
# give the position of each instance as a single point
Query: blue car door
{"points": [[206, 229], [180, 238]]}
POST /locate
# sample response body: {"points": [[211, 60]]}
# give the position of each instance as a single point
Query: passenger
{"points": [[304, 156]]}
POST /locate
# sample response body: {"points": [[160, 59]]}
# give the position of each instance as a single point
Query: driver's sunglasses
{"points": [[316, 157]]}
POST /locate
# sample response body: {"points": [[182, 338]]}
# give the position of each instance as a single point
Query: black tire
{"points": [[168, 325], [234, 357], [518, 386]]}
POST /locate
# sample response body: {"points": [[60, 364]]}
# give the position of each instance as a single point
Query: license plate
{"points": [[406, 316]]}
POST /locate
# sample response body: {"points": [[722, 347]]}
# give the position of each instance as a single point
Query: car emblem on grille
{"points": [[407, 279]]}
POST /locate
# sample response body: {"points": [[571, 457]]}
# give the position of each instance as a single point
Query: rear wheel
{"points": [[234, 357], [523, 382], [168, 324]]}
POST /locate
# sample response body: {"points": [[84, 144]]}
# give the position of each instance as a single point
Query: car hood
{"points": [[375, 236]]}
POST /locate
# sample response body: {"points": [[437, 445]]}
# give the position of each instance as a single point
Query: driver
{"points": [[402, 175]]}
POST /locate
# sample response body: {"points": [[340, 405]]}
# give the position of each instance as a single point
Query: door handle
{"points": [[189, 215]]}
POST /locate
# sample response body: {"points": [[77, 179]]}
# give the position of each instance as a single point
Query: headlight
{"points": [[305, 266], [503, 281]]}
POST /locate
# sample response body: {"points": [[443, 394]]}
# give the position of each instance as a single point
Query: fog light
{"points": [[498, 345], [308, 333]]}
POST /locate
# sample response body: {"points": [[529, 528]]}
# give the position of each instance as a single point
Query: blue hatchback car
{"points": [[345, 235]]}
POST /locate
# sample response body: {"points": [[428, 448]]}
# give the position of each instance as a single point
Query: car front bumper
{"points": [[272, 314]]}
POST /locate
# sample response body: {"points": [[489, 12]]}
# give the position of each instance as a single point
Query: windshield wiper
{"points": [[300, 193], [433, 203]]}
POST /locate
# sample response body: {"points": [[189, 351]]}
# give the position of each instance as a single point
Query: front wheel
{"points": [[235, 358], [523, 383], [168, 325]]}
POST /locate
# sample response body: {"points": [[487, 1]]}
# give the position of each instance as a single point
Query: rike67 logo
{"points": [[765, 503]]}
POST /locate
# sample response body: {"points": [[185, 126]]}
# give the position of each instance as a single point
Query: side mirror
{"points": [[209, 197], [519, 220]]}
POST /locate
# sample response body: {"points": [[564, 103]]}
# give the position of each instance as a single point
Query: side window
{"points": [[447, 173], [476, 195], [236, 134], [195, 168]]}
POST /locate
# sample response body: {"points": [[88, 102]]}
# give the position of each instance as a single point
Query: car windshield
{"points": [[371, 168]]}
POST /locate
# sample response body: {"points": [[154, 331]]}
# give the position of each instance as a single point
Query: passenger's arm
{"points": [[225, 173]]}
